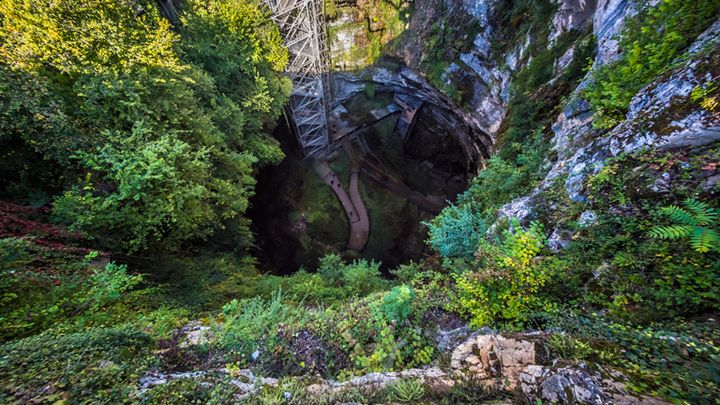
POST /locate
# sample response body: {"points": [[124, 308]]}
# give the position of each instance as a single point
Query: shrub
{"points": [[381, 332], [397, 305], [510, 288], [44, 287], [468, 390], [137, 178], [358, 278], [108, 283], [504, 179], [163, 321], [457, 231], [251, 324], [569, 347]]}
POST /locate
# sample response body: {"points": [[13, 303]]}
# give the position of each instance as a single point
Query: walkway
{"points": [[384, 178], [352, 203]]}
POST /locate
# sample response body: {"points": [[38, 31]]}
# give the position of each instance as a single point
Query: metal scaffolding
{"points": [[302, 23]]}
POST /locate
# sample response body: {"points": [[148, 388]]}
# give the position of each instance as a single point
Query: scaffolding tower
{"points": [[302, 24]]}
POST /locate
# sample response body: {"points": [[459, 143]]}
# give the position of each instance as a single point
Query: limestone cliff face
{"points": [[661, 117], [479, 60]]}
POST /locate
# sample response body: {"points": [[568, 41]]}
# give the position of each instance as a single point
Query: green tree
{"points": [[157, 133], [457, 231]]}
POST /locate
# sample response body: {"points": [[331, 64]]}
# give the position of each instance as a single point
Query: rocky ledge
{"points": [[520, 365]]}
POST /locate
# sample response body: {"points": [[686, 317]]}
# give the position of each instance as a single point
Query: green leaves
{"points": [[695, 221], [509, 288], [73, 37], [704, 240], [457, 231], [671, 232], [397, 304], [702, 213], [160, 131], [108, 283], [651, 42]]}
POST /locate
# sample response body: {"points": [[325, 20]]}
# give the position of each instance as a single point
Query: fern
{"points": [[671, 231], [678, 215], [703, 240], [695, 220], [703, 214]]}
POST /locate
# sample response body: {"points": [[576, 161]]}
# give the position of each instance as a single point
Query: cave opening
{"points": [[406, 176]]}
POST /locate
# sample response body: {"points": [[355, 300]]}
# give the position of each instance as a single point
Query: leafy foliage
{"points": [[406, 391], [161, 136], [509, 286], [249, 321], [650, 42], [70, 286], [156, 134], [109, 282], [358, 278], [397, 304], [677, 360], [457, 231], [694, 221], [94, 365]]}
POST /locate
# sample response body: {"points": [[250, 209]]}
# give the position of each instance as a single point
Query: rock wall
{"points": [[475, 142], [516, 364], [481, 61], [662, 116]]}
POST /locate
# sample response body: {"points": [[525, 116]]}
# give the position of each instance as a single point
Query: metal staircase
{"points": [[302, 23]]}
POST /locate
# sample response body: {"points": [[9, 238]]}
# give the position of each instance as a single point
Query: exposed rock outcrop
{"points": [[572, 15], [519, 364], [578, 385], [497, 358], [662, 116]]}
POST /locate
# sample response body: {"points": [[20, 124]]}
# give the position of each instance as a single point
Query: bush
{"points": [[14, 254], [635, 278], [499, 183], [510, 288], [457, 231], [158, 144], [43, 288], [381, 332], [108, 283], [358, 278], [397, 305]]}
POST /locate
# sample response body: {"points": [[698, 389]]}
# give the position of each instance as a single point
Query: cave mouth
{"points": [[407, 177]]}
